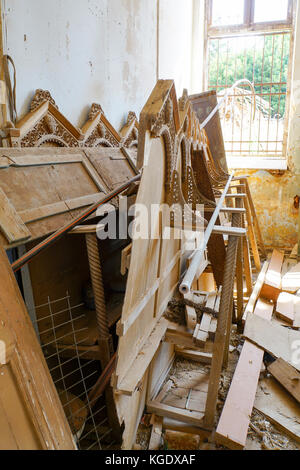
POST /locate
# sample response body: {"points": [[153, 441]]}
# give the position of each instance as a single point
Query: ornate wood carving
{"points": [[45, 126]]}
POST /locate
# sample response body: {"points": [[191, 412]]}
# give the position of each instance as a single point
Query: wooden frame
{"points": [[248, 23]]}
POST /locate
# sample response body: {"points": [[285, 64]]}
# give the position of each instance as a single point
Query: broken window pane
{"points": [[270, 10], [227, 12]]}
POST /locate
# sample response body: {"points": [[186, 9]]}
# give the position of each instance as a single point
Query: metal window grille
{"points": [[252, 127]]}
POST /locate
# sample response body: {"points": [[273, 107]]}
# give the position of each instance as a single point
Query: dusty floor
{"points": [[262, 434]]}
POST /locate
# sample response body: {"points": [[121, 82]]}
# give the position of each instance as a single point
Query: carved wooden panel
{"points": [[46, 126]]}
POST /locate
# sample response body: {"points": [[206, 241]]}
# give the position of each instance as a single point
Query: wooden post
{"points": [[223, 329]]}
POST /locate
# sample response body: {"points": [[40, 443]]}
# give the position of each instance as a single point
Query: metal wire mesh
{"points": [[69, 346]]}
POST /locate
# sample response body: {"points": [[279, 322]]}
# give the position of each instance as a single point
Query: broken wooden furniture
{"points": [[263, 333], [31, 414], [156, 265], [43, 190]]}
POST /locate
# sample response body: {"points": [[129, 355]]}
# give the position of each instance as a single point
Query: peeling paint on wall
{"points": [[273, 196]]}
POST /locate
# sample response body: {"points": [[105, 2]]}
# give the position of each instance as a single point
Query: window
{"points": [[251, 40]]}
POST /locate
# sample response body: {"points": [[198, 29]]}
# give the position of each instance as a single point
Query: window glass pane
{"points": [[270, 10], [227, 12]]}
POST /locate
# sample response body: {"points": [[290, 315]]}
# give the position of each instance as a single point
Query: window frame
{"points": [[249, 26]]}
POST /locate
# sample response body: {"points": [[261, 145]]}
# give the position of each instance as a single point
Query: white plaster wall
{"points": [[83, 51], [175, 42]]}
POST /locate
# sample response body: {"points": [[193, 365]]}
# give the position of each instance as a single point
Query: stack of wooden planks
{"points": [[277, 396]]}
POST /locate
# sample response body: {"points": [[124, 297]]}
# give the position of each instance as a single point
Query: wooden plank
{"points": [[291, 280], [256, 291], [49, 210], [135, 374], [197, 356], [280, 408], [233, 425], [191, 417], [287, 376], [272, 284], [11, 223], [155, 439], [273, 338], [247, 265], [190, 317], [125, 259]]}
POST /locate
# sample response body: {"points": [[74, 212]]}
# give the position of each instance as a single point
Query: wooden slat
{"points": [[287, 376], [235, 418], [192, 417], [155, 439], [11, 223], [197, 356], [135, 374], [256, 291]]}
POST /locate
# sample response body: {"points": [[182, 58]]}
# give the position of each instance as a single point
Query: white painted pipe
{"points": [[185, 286]]}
